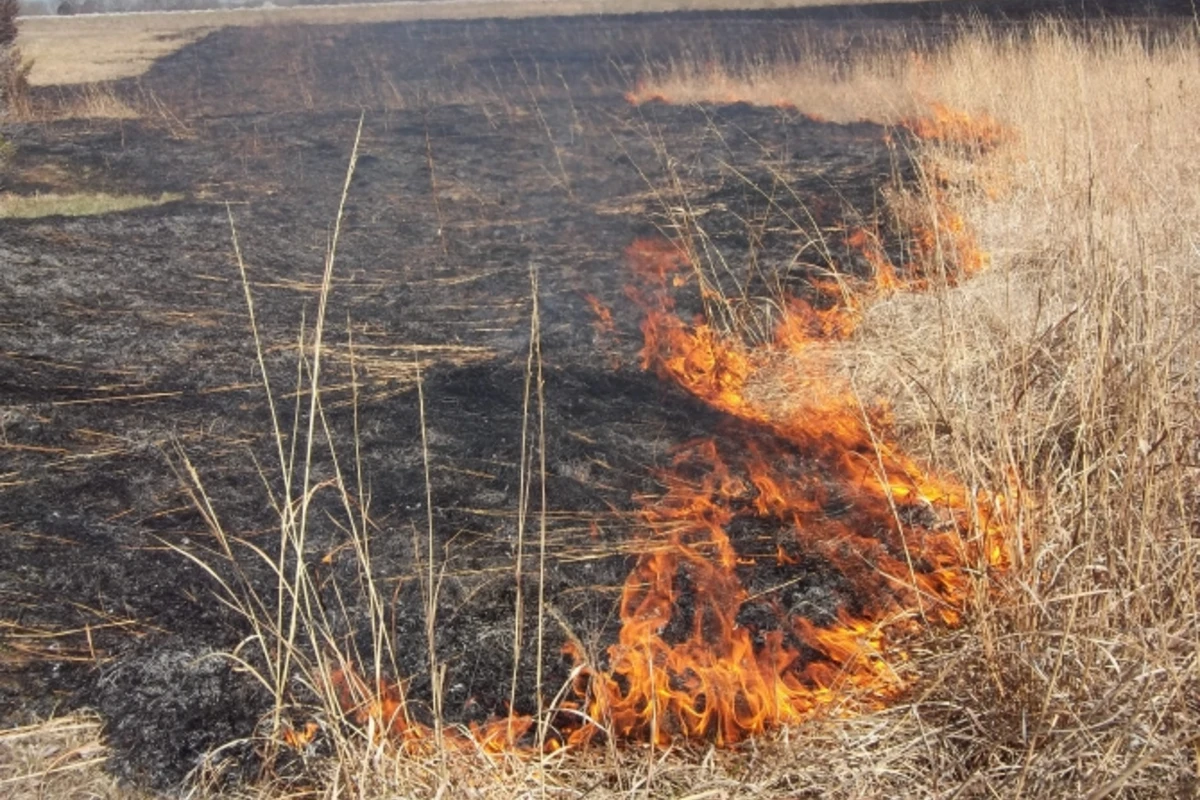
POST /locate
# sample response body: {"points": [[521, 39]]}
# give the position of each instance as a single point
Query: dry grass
{"points": [[87, 101], [60, 758], [89, 48], [1070, 368], [85, 204], [805, 75]]}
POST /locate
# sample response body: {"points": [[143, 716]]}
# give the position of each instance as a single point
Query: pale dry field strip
{"points": [[101, 47]]}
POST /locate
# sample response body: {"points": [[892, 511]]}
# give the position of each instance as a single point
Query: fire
{"points": [[604, 320], [720, 679], [868, 245], [300, 738], [718, 638], [940, 244], [838, 495], [708, 647], [382, 708], [951, 126], [640, 94], [946, 244]]}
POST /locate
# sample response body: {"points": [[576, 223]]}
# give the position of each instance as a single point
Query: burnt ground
{"points": [[489, 150]]}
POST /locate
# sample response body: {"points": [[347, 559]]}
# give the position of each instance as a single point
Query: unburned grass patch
{"points": [[83, 204], [87, 101], [61, 757]]}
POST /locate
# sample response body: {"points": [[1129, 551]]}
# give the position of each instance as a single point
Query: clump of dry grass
{"points": [[62, 757], [88, 101], [85, 101], [1070, 372], [1076, 368], [82, 204]]}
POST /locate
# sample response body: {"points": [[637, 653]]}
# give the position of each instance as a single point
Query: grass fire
{"points": [[496, 400]]}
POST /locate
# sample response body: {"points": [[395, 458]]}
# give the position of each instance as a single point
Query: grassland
{"points": [[85, 48], [1068, 367], [1066, 372]]}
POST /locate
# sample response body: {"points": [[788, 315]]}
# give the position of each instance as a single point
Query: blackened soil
{"points": [[497, 161]]}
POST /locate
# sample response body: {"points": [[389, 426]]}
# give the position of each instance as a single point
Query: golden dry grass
{"points": [[89, 48], [87, 204], [59, 758], [85, 101], [1070, 369]]}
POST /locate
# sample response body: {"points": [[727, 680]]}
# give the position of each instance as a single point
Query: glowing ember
{"points": [[640, 94]]}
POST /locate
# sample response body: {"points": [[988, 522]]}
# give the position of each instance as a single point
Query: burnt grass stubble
{"points": [[125, 336]]}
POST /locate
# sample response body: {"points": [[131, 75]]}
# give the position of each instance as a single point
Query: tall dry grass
{"points": [[61, 757], [1070, 369]]}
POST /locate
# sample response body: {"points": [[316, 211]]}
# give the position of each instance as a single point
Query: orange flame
{"points": [[383, 709], [946, 244], [841, 500], [299, 738], [885, 276], [640, 94], [722, 679], [604, 319], [951, 126], [684, 664]]}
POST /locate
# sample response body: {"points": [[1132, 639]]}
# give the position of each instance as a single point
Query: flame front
{"points": [[698, 654], [952, 126], [383, 710]]}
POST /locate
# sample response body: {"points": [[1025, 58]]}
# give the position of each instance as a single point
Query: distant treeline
{"points": [[66, 7]]}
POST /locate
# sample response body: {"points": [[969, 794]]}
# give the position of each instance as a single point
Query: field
{"points": [[108, 47], [785, 403]]}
